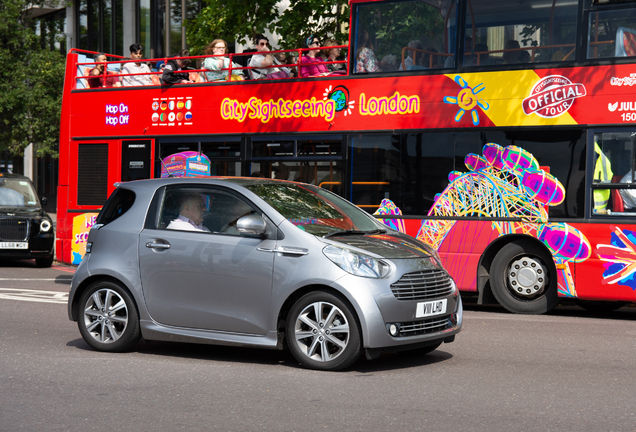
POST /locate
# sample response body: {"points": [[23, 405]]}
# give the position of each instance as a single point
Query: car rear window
{"points": [[119, 203]]}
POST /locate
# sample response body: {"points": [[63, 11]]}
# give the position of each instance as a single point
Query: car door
{"points": [[216, 280]]}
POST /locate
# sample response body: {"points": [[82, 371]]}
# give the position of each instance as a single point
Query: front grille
{"points": [[14, 229], [427, 326], [423, 285]]}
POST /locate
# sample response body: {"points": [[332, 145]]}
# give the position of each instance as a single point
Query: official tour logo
{"points": [[552, 96]]}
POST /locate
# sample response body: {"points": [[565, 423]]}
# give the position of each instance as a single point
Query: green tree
{"points": [[240, 21], [31, 82], [231, 21]]}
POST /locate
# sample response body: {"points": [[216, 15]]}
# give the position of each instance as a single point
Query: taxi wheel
{"points": [[322, 332], [523, 278], [44, 262], [108, 319]]}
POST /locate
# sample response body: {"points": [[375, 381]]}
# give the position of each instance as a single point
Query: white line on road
{"points": [[34, 295]]}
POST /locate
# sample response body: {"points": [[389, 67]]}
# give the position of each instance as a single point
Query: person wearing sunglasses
{"points": [[263, 59], [313, 66]]}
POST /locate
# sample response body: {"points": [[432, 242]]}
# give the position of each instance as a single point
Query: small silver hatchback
{"points": [[260, 263]]}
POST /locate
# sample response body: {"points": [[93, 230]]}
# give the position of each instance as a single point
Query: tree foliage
{"points": [[31, 82], [240, 21]]}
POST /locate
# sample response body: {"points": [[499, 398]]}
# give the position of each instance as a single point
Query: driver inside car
{"points": [[191, 214]]}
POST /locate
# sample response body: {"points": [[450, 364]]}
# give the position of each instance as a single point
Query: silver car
{"points": [[259, 263]]}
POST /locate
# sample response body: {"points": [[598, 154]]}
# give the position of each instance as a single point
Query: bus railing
{"points": [[298, 65]]}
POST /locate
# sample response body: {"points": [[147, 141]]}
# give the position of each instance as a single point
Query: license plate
{"points": [[430, 308], [14, 245]]}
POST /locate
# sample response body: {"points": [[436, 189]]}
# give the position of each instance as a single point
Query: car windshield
{"points": [[17, 193], [313, 209]]}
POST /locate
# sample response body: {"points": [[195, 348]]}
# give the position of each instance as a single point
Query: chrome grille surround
{"points": [[423, 285], [14, 229], [431, 325]]}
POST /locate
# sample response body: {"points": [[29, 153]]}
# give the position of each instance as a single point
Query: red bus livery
{"points": [[505, 137]]}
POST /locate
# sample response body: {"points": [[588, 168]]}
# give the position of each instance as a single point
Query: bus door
{"points": [[608, 274], [313, 159], [136, 159]]}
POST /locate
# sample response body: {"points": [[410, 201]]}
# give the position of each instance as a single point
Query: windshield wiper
{"points": [[353, 232]]}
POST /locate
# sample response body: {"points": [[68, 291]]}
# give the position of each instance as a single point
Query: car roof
{"points": [[14, 176], [240, 181]]}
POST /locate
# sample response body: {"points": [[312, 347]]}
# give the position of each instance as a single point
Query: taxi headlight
{"points": [[356, 263], [45, 226]]}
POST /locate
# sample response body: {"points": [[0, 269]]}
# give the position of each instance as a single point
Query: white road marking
{"points": [[34, 295]]}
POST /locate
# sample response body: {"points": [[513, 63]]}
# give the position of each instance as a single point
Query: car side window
{"points": [[203, 210]]}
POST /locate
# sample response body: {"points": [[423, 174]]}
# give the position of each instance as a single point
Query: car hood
{"points": [[390, 246], [21, 211]]}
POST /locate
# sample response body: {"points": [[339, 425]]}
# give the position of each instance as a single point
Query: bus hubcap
{"points": [[527, 277]]}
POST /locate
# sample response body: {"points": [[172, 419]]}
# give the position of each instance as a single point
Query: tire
{"points": [[44, 262], [322, 332], [600, 306], [523, 278], [108, 319]]}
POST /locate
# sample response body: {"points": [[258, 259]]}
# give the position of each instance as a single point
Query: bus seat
{"points": [[625, 42], [617, 199]]}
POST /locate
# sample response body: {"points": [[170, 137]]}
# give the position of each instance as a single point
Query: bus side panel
{"points": [[609, 273], [461, 248]]}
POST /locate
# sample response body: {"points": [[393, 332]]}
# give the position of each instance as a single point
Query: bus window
{"points": [[614, 165], [325, 174], [528, 32], [612, 33], [408, 35], [224, 157]]}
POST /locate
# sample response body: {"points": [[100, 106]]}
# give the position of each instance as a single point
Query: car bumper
{"points": [[378, 309]]}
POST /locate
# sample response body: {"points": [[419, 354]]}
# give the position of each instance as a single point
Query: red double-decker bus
{"points": [[501, 134]]}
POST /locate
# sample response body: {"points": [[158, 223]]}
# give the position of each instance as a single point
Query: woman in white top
{"points": [[218, 67]]}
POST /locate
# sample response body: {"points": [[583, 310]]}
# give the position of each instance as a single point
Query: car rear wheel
{"points": [[44, 262], [523, 278], [108, 319], [322, 332]]}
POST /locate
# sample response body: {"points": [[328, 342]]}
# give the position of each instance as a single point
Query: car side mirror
{"points": [[44, 201], [251, 225]]}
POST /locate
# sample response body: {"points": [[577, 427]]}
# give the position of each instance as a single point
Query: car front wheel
{"points": [[108, 319], [322, 332]]}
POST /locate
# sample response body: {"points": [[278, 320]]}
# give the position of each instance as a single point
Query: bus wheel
{"points": [[523, 278]]}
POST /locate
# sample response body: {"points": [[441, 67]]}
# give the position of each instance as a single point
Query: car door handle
{"points": [[285, 250], [158, 245]]}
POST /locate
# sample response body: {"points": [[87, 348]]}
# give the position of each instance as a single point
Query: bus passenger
{"points": [[219, 66], [175, 70], [512, 56], [333, 54], [97, 73], [261, 61], [628, 195], [314, 67], [136, 67], [366, 61], [412, 54]]}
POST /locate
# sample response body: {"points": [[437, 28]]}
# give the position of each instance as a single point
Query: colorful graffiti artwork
{"points": [[387, 207], [620, 258], [506, 184]]}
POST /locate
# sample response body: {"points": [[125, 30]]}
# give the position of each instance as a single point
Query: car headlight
{"points": [[356, 263], [45, 226]]}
